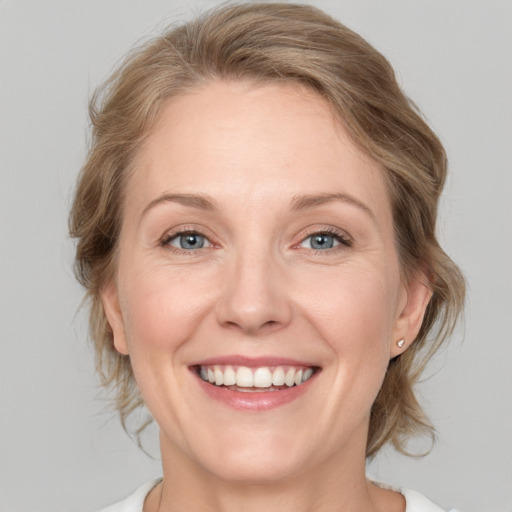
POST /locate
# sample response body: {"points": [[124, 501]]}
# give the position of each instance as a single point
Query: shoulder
{"points": [[416, 502], [134, 502]]}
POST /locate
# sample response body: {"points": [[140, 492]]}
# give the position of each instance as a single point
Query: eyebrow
{"points": [[304, 202], [193, 200], [299, 202]]}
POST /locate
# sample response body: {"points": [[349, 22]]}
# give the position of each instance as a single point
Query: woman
{"points": [[256, 234]]}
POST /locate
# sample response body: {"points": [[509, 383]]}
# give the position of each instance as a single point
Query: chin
{"points": [[254, 470], [251, 457]]}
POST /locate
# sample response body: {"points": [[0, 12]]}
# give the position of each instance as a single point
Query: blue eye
{"points": [[188, 241], [322, 241]]}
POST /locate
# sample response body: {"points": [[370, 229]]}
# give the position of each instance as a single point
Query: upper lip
{"points": [[253, 362]]}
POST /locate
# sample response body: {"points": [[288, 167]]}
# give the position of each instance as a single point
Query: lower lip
{"points": [[257, 400]]}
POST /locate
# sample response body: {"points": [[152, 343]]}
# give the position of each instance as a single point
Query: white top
{"points": [[415, 502]]}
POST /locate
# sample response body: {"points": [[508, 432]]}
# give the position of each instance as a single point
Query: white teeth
{"points": [[307, 374], [229, 376], [289, 379], [262, 378], [219, 377], [278, 377], [244, 377]]}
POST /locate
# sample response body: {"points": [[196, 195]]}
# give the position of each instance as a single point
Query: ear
{"points": [[416, 296], [110, 300]]}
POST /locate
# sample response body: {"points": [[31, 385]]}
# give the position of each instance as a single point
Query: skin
{"points": [[258, 288]]}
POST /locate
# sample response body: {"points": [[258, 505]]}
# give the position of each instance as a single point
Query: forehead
{"points": [[242, 141]]}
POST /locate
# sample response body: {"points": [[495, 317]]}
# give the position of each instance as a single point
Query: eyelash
{"points": [[344, 240], [167, 238]]}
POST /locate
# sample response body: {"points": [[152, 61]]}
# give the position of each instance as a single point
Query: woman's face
{"points": [[257, 250]]}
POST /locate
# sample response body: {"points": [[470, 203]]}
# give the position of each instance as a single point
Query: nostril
{"points": [[254, 328], [253, 307]]}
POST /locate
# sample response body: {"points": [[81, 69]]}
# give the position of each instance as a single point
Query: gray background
{"points": [[58, 449]]}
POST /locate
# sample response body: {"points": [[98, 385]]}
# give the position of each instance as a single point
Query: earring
{"points": [[400, 343]]}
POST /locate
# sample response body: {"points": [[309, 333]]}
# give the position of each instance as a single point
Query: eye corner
{"points": [[186, 240], [325, 240]]}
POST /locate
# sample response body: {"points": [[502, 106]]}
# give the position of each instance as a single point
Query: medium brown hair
{"points": [[282, 43]]}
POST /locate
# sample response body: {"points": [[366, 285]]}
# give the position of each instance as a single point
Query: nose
{"points": [[254, 297]]}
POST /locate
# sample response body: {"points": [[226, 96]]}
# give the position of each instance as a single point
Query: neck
{"points": [[338, 485]]}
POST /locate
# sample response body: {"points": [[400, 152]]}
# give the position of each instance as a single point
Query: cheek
{"points": [[161, 311], [162, 306], [354, 308], [148, 315], [354, 313]]}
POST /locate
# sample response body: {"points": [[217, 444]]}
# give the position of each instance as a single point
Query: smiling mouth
{"points": [[263, 378]]}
